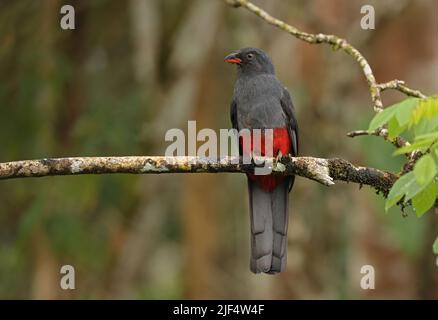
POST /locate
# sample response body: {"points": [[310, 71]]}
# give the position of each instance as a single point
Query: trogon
{"points": [[260, 101]]}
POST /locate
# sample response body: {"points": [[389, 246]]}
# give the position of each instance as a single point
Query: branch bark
{"points": [[383, 132], [324, 171], [400, 86]]}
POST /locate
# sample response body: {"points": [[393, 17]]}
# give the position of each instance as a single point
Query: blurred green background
{"points": [[132, 70]]}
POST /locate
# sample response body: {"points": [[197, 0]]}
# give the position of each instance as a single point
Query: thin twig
{"points": [[400, 86], [383, 132]]}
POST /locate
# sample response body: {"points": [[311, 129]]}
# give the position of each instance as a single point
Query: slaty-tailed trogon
{"points": [[260, 101]]}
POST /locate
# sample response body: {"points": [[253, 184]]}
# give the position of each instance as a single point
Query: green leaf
{"points": [[427, 108], [426, 126], [394, 129], [425, 169], [406, 186], [418, 114], [430, 135], [390, 202], [431, 107], [382, 118], [399, 188], [435, 246], [422, 144], [413, 189], [404, 110], [424, 200]]}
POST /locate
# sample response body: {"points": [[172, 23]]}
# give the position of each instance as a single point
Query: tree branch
{"points": [[398, 141], [400, 86], [324, 171]]}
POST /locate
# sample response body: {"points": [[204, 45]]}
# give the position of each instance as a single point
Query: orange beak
{"points": [[233, 58]]}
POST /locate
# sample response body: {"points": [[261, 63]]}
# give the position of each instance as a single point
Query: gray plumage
{"points": [[269, 220], [260, 101]]}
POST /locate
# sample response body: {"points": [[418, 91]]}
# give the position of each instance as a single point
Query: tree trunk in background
{"points": [[199, 204], [141, 237], [72, 99], [199, 212], [45, 277]]}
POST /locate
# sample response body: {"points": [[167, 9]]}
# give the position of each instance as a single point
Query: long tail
{"points": [[269, 221]]}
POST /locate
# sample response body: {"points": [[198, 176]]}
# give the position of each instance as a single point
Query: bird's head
{"points": [[251, 61]]}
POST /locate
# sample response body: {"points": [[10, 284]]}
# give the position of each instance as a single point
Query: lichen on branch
{"points": [[324, 171]]}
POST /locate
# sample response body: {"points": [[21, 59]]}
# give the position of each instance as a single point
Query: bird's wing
{"points": [[288, 109], [233, 114]]}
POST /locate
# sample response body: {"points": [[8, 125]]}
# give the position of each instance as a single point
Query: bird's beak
{"points": [[233, 58]]}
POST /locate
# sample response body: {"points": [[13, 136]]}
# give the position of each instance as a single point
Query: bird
{"points": [[261, 101]]}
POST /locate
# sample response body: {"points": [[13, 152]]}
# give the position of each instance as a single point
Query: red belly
{"points": [[281, 142]]}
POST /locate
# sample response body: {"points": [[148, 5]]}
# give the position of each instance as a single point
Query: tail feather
{"points": [[269, 220], [279, 203], [261, 228]]}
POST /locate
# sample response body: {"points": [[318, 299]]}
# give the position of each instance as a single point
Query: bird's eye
{"points": [[250, 56]]}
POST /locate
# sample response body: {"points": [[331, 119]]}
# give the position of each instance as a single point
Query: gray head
{"points": [[251, 61]]}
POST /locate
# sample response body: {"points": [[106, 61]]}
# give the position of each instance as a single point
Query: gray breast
{"points": [[258, 102]]}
